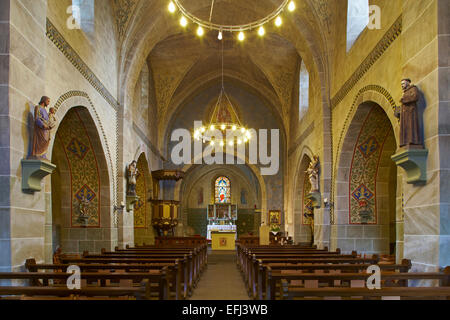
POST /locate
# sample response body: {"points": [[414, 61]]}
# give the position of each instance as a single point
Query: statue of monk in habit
{"points": [[42, 128], [408, 115]]}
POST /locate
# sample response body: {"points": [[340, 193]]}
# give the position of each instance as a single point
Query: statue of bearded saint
{"points": [[313, 173]]}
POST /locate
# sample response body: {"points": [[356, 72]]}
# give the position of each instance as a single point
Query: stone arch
{"points": [[79, 98], [302, 232], [81, 195], [367, 94], [365, 193], [142, 213], [194, 215], [255, 170]]}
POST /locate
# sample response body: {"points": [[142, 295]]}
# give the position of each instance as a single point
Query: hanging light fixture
{"points": [[224, 119], [241, 28]]}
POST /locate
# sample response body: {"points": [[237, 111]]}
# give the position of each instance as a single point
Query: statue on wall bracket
{"points": [[37, 166], [412, 156], [132, 175], [313, 174]]}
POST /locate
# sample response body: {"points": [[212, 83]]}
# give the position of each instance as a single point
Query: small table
{"points": [[223, 240]]}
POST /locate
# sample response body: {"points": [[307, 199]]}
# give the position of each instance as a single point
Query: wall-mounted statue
{"points": [[132, 174], [42, 127], [313, 173], [408, 115]]}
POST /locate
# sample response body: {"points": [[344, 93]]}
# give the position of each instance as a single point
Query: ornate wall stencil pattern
{"points": [[364, 168], [356, 102], [140, 208], [84, 173], [122, 11], [306, 203]]}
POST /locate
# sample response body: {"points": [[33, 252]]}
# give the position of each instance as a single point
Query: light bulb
{"points": [[220, 36], [239, 141], [221, 143], [203, 129], [248, 135], [241, 36], [183, 22], [172, 7], [212, 127], [222, 127], [234, 128], [278, 21], [291, 6], [212, 142], [261, 31], [245, 139], [231, 143], [242, 130], [200, 31]]}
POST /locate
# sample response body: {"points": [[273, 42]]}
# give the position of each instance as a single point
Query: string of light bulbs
{"points": [[258, 25]]}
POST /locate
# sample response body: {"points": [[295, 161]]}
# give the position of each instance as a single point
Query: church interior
{"points": [[224, 149]]}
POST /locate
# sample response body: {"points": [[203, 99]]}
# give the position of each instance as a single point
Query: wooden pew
{"points": [[256, 273], [174, 273], [298, 270], [393, 285], [189, 272], [41, 279], [139, 293]]}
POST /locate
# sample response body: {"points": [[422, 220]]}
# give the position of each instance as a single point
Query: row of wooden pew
{"points": [[305, 273], [138, 273]]}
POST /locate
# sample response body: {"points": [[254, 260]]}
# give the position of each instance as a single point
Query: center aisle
{"points": [[221, 280]]}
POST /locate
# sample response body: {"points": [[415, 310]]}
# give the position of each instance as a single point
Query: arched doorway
{"points": [[303, 221], [198, 190], [81, 207], [366, 186], [143, 230]]}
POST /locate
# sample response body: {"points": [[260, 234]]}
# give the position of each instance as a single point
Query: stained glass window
{"points": [[223, 190]]}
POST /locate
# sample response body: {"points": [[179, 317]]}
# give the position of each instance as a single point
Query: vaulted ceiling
{"points": [[182, 63]]}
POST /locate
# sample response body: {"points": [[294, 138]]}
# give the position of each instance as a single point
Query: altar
{"points": [[219, 228], [221, 240]]}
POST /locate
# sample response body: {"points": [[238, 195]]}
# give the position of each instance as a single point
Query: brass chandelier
{"points": [[186, 16], [224, 126]]}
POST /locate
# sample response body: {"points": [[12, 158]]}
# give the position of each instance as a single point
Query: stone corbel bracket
{"points": [[315, 198], [33, 171], [414, 162], [131, 200]]}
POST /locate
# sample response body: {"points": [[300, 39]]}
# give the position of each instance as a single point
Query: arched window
{"points": [[303, 91], [357, 20], [84, 14], [223, 190]]}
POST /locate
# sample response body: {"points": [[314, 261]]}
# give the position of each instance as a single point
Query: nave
{"points": [[191, 271]]}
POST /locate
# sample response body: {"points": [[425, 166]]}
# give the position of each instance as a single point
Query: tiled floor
{"points": [[221, 279]]}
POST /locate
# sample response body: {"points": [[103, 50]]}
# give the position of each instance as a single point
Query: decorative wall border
{"points": [[61, 43], [356, 102], [389, 37]]}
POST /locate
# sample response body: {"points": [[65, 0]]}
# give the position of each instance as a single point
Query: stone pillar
{"points": [[425, 56], [5, 172], [26, 85], [444, 129]]}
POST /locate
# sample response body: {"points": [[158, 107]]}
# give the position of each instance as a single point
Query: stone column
{"points": [[425, 55], [444, 129], [26, 85], [5, 199]]}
